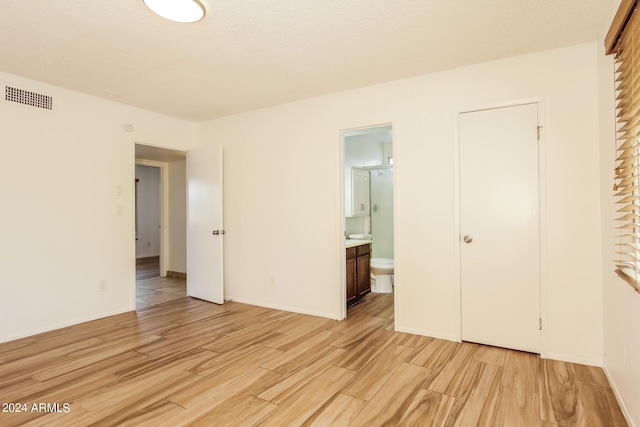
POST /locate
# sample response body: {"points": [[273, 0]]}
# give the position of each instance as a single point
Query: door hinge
{"points": [[540, 322], [538, 137]]}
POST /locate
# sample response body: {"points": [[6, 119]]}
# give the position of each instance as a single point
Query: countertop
{"points": [[350, 243]]}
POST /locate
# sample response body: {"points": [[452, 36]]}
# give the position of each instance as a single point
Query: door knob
{"points": [[216, 232], [467, 239]]}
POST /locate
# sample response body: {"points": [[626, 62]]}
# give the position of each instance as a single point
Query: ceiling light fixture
{"points": [[178, 10]]}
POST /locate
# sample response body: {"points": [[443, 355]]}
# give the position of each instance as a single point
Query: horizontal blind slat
{"points": [[627, 150]]}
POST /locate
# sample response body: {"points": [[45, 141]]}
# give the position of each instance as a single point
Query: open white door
{"points": [[204, 225]]}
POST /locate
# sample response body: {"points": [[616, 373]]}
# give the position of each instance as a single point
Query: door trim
{"points": [[457, 303]]}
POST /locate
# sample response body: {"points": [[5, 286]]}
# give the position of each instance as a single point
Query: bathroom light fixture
{"points": [[177, 10]]}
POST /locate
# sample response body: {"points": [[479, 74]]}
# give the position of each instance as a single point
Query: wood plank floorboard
{"points": [[186, 362]]}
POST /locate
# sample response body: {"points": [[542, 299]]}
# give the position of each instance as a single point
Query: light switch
{"points": [[119, 190], [119, 210]]}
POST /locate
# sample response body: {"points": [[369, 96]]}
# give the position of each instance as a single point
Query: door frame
{"points": [[342, 299], [539, 101], [164, 209]]}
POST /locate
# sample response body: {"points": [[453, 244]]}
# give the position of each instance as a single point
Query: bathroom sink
{"points": [[360, 236], [349, 243]]}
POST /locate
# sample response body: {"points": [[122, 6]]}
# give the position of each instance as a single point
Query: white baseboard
{"points": [[428, 334], [572, 359], [63, 325], [147, 256], [616, 392], [281, 307]]}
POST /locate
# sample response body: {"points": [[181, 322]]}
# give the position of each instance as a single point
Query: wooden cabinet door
{"points": [[352, 282], [364, 274]]}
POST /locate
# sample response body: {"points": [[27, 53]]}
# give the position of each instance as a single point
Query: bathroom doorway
{"points": [[368, 225]]}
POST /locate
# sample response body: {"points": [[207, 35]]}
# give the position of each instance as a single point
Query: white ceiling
{"points": [[248, 54]]}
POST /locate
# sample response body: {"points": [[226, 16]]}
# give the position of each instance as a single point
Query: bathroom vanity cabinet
{"points": [[358, 272]]}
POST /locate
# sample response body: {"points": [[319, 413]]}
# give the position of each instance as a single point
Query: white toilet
{"points": [[382, 275]]}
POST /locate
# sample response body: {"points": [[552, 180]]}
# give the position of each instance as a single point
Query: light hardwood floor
{"points": [[188, 362]]}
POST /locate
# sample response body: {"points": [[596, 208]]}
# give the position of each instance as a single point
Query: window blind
{"points": [[627, 171]]}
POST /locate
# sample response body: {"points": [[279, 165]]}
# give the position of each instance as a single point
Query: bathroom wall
{"points": [[357, 225], [387, 154]]}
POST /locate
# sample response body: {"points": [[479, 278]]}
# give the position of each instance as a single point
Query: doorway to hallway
{"points": [[147, 220], [160, 225]]}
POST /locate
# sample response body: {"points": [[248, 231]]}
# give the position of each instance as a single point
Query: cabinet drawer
{"points": [[351, 253], [363, 249]]}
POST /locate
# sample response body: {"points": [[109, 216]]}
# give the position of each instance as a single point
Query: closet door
{"points": [[500, 230]]}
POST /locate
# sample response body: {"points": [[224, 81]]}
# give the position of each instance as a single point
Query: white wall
{"points": [[177, 260], [148, 210], [61, 234], [283, 221], [621, 304]]}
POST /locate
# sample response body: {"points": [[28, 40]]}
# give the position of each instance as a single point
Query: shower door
{"points": [[381, 180]]}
